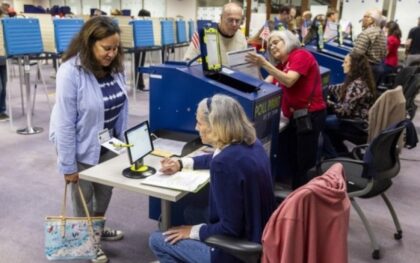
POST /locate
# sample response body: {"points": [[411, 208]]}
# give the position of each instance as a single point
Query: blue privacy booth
{"points": [[64, 31], [175, 91]]}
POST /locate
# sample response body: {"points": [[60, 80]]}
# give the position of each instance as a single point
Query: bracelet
{"points": [[180, 165]]}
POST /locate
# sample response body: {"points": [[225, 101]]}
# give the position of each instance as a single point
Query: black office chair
{"points": [[373, 175], [251, 252], [410, 91], [387, 80], [400, 77]]}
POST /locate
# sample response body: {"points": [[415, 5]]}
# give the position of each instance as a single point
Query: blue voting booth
{"points": [[331, 60], [144, 41], [143, 34], [22, 38], [335, 47], [64, 31], [175, 91], [168, 36], [191, 29], [181, 32]]}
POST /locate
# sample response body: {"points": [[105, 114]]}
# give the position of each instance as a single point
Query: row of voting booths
{"points": [[23, 42], [41, 36], [24, 38], [331, 55]]}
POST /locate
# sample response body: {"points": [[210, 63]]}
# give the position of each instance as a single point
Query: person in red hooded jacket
{"points": [[311, 225]]}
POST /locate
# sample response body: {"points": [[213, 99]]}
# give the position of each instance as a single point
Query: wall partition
{"points": [[406, 14], [157, 7], [353, 11]]}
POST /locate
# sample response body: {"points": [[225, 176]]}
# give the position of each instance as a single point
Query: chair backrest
{"points": [[410, 91], [389, 108], [405, 75], [381, 157]]}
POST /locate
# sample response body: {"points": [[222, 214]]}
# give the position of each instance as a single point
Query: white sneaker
{"points": [[100, 256], [111, 234]]}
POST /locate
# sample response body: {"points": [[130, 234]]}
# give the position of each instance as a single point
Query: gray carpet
{"points": [[31, 189]]}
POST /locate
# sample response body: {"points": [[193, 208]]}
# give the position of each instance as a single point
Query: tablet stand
{"points": [[138, 170]]}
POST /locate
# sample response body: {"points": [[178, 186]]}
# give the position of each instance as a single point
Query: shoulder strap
{"points": [[313, 91]]}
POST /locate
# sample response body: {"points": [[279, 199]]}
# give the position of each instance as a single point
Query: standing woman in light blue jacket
{"points": [[91, 100]]}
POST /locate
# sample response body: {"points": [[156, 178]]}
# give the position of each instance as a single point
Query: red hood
{"points": [[331, 186]]}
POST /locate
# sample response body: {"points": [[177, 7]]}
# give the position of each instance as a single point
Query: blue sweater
{"points": [[241, 194]]}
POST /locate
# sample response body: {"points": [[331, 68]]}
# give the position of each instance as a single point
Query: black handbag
{"points": [[303, 121], [302, 117]]}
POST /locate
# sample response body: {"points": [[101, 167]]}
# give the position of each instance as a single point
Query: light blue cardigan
{"points": [[78, 116]]}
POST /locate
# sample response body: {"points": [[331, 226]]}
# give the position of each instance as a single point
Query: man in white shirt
{"points": [[231, 38]]}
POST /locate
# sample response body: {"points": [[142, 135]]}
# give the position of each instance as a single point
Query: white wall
{"points": [[157, 8], [353, 11], [18, 4], [406, 14], [184, 8], [318, 10]]}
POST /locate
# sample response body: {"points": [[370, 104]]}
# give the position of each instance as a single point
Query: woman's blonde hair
{"points": [[226, 120]]}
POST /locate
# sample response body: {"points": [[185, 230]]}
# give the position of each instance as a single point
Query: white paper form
{"points": [[190, 181], [237, 62], [171, 146]]}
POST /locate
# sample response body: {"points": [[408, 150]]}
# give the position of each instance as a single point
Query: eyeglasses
{"points": [[234, 21]]}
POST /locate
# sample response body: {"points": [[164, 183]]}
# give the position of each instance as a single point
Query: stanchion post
{"points": [[29, 129]]}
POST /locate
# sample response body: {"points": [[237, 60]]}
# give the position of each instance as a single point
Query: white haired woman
{"points": [[296, 71], [241, 189]]}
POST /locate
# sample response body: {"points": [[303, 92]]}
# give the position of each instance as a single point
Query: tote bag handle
{"points": [[64, 209]]}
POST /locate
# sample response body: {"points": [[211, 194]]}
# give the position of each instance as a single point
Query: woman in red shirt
{"points": [[393, 42], [296, 71]]}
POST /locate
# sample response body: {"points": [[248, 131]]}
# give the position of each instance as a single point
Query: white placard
{"points": [[238, 62]]}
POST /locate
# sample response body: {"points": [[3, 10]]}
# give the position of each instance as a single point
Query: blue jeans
{"points": [[331, 123], [187, 250]]}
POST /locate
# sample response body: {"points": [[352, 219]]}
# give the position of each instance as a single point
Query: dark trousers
{"points": [[139, 56], [336, 131], [303, 149], [377, 70], [3, 81]]}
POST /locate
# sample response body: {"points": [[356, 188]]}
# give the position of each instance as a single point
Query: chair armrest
{"points": [[359, 151], [244, 250]]}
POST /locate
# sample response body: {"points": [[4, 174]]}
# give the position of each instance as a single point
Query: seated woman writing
{"points": [[241, 197], [349, 100]]}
